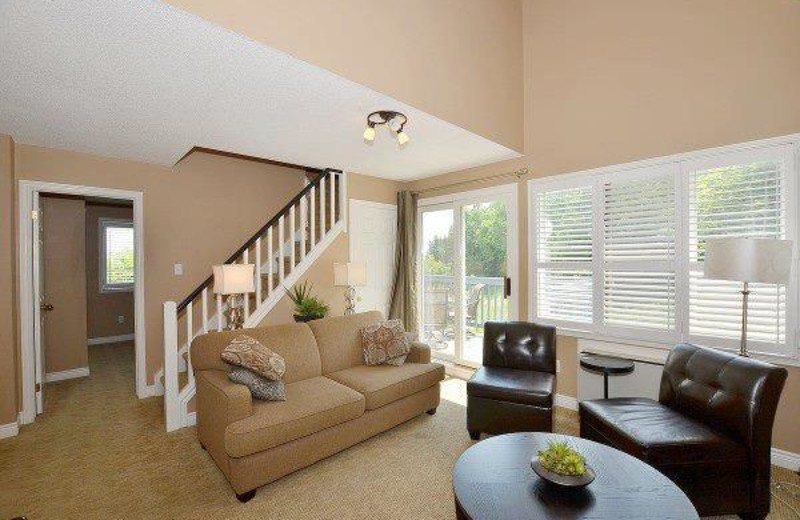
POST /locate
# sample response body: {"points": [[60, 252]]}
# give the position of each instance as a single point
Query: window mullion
{"points": [[598, 252], [682, 251]]}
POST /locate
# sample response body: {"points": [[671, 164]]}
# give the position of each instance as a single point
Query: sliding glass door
{"points": [[468, 264]]}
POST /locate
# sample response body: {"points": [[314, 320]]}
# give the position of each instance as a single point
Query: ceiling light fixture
{"points": [[395, 121]]}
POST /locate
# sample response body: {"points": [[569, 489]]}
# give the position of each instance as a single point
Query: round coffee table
{"points": [[606, 365], [493, 480]]}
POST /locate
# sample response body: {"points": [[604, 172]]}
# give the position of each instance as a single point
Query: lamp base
{"points": [[234, 313], [743, 344], [350, 300]]}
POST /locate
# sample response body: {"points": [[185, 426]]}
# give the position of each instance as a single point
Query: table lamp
{"points": [[748, 260], [350, 275], [232, 280]]}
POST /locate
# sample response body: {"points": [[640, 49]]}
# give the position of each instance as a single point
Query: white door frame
{"points": [[29, 291], [456, 201]]}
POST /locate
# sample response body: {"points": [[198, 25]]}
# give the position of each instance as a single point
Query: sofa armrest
{"points": [[420, 353], [220, 400]]}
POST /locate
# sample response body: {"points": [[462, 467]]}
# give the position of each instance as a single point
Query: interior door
{"points": [[40, 307], [373, 232], [468, 262], [60, 338]]}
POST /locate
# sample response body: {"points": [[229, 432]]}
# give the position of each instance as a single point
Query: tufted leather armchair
{"points": [[710, 431], [513, 390]]}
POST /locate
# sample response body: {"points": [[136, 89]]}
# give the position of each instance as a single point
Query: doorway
{"points": [[468, 259], [56, 300]]}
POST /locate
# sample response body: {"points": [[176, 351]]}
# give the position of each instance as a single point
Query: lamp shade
{"points": [[763, 260], [351, 274], [233, 278]]}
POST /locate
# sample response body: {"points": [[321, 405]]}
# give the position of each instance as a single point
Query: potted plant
{"points": [[306, 306]]}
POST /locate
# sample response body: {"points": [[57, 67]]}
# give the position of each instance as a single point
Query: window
{"points": [[618, 252], [116, 255]]}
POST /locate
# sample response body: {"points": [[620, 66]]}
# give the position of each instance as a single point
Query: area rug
{"points": [[98, 452]]}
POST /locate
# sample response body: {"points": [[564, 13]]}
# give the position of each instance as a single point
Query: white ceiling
{"points": [[145, 81]]}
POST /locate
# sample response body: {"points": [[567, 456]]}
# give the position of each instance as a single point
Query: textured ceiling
{"points": [[145, 81]]}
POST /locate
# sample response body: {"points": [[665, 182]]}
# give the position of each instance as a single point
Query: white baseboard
{"points": [[565, 401], [9, 430], [112, 339], [152, 391], [786, 459], [191, 418], [66, 374]]}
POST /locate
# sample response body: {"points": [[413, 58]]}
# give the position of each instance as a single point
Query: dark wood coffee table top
{"points": [[493, 480]]}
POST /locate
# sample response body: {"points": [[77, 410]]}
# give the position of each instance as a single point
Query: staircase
{"points": [[282, 250]]}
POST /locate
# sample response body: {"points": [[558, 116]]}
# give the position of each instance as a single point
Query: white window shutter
{"points": [[564, 254], [639, 250]]}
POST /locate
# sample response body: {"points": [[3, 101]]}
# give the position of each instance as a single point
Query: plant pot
{"points": [[304, 319], [566, 481]]}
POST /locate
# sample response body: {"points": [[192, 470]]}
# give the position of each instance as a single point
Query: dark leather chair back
{"points": [[731, 394], [520, 345]]}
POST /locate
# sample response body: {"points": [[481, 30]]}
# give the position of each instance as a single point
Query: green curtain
{"points": [[404, 290]]}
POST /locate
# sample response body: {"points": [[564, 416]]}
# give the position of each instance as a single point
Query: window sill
{"points": [[116, 290], [650, 351]]}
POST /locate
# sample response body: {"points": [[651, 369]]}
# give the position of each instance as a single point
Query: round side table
{"points": [[606, 365]]}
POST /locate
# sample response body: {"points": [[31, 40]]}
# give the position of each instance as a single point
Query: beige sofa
{"points": [[333, 400]]}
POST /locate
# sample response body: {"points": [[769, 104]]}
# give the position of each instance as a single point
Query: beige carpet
{"points": [[98, 452]]}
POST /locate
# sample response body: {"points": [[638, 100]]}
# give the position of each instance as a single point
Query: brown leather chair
{"points": [[710, 431], [513, 390]]}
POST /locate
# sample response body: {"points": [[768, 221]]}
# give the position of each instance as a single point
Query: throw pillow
{"points": [[247, 352], [385, 343], [260, 388], [399, 361]]}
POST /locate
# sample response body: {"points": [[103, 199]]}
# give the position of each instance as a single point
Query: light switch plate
{"points": [[558, 365], [121, 319], [178, 269]]}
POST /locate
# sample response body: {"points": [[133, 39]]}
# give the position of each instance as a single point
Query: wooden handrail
{"points": [[323, 174]]}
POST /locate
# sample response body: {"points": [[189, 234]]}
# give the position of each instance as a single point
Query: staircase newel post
{"points": [[171, 390]]}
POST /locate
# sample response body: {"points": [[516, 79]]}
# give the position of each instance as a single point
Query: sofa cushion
{"points": [[656, 433], [294, 342], [311, 405], [339, 339], [528, 387], [384, 384]]}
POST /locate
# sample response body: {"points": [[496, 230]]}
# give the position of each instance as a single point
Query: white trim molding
{"points": [[122, 338], [9, 430], [73, 373], [28, 191], [785, 459], [565, 401]]}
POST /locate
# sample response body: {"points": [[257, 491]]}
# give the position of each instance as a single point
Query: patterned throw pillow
{"points": [[244, 351], [385, 342], [260, 388]]}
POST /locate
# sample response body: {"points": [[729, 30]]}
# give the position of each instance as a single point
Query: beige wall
{"points": [[195, 213], [8, 313], [615, 81], [104, 308], [64, 274], [460, 60]]}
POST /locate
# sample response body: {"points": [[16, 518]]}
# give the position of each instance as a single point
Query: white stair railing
{"points": [[319, 211]]}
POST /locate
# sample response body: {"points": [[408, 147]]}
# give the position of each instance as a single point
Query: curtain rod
{"points": [[517, 174]]}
